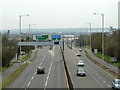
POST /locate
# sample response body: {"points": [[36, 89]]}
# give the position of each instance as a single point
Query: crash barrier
{"points": [[51, 47], [69, 46], [66, 69]]}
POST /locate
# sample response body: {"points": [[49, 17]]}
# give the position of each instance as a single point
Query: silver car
{"points": [[116, 84], [81, 72]]}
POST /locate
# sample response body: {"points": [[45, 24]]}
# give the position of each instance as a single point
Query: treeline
{"points": [[111, 42], [10, 48]]}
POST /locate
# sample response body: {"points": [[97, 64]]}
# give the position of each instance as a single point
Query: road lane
{"points": [[24, 78], [96, 78], [40, 79], [57, 77], [54, 76]]}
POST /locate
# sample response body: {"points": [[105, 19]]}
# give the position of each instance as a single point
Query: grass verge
{"points": [[13, 76], [107, 59], [5, 67], [101, 65], [34, 56]]}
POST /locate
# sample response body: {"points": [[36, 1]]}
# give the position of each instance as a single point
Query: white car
{"points": [[80, 63], [116, 84]]}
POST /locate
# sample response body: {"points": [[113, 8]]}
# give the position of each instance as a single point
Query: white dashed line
{"points": [[103, 81], [108, 85], [29, 83], [34, 73], [32, 78], [46, 83], [48, 77], [49, 73]]}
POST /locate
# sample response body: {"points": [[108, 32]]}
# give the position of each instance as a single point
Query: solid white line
{"points": [[46, 83], [32, 77], [29, 83]]}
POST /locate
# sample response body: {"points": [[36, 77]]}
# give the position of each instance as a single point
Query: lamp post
{"points": [[102, 34], [20, 16], [90, 33], [29, 30]]}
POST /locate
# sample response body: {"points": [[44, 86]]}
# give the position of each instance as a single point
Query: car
{"points": [[116, 84], [40, 70], [80, 63], [81, 72], [80, 50], [79, 54]]}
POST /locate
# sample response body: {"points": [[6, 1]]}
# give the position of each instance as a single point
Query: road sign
{"points": [[56, 37], [42, 37]]}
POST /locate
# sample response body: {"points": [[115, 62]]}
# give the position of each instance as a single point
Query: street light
{"points": [[102, 33], [20, 16], [29, 30], [90, 33]]}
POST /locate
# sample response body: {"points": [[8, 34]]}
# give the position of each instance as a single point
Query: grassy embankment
{"points": [[106, 58]]}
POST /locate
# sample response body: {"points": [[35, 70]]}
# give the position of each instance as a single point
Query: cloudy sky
{"points": [[58, 13]]}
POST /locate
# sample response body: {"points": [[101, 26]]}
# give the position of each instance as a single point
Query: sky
{"points": [[57, 13]]}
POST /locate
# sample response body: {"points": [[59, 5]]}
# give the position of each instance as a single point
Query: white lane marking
{"points": [[103, 81], [49, 73], [95, 78], [46, 83], [32, 78], [35, 73], [42, 60], [36, 70], [108, 85], [29, 83], [49, 69], [48, 77]]}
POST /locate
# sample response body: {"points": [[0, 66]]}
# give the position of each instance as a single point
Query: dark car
{"points": [[81, 72], [80, 50], [79, 54], [40, 70]]}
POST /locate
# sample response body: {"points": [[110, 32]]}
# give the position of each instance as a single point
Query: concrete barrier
{"points": [[67, 73]]}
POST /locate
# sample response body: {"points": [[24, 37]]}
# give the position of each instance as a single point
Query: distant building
{"points": [[119, 15]]}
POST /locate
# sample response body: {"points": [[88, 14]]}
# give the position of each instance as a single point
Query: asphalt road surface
{"points": [[95, 78], [54, 76]]}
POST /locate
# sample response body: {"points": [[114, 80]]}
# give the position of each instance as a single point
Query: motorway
{"points": [[54, 76], [95, 78]]}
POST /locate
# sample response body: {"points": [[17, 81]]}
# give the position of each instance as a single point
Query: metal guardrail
{"points": [[34, 43]]}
